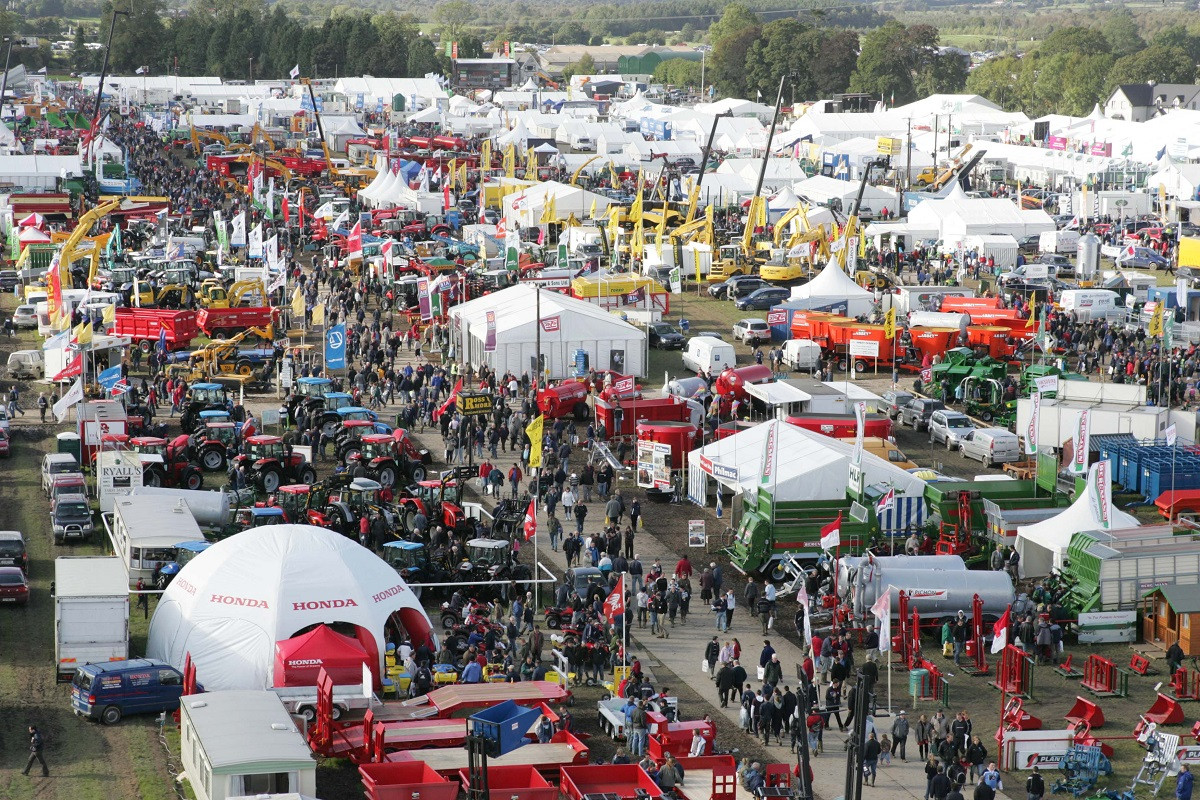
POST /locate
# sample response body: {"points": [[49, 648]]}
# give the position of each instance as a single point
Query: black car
{"points": [[664, 336], [763, 299], [721, 290], [747, 287]]}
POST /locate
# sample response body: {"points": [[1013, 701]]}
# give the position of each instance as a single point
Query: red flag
{"points": [[614, 604], [531, 520], [354, 242], [283, 206], [72, 370], [831, 534], [444, 407], [446, 197], [1000, 630]]}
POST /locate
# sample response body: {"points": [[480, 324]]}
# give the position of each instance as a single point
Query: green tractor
{"points": [[984, 398], [959, 364], [1033, 372]]}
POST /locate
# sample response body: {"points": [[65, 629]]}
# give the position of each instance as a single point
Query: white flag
{"points": [[295, 73], [237, 236], [1079, 444], [73, 396], [343, 219], [255, 248], [1171, 435], [1035, 421], [1046, 384], [883, 612], [271, 256], [860, 423]]}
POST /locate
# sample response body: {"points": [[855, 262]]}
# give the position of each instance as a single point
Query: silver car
{"points": [[25, 317], [949, 428]]}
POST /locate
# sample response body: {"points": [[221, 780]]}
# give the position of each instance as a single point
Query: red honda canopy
{"points": [[299, 659]]}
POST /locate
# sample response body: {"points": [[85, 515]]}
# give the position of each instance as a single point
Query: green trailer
{"points": [[960, 363], [1112, 573], [771, 531]]}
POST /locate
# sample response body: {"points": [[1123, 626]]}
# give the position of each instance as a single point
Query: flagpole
{"points": [[624, 625]]}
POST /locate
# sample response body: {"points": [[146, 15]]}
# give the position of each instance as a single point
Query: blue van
{"points": [[109, 691]]}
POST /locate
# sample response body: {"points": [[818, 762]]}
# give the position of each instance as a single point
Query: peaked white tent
{"points": [[382, 176], [811, 466], [568, 325], [1043, 545], [232, 603], [518, 136], [526, 207], [832, 285]]}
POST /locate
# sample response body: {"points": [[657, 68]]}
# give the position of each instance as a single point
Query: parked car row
{"points": [[989, 446]]}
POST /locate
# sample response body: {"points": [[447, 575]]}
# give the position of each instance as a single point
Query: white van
{"points": [[1058, 241], [802, 354], [708, 354], [1088, 303], [992, 446], [26, 364]]}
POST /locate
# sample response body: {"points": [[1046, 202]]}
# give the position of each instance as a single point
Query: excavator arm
{"points": [[71, 247], [756, 217], [575, 175], [333, 172], [785, 220]]}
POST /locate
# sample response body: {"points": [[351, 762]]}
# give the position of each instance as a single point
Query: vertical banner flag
{"points": [[335, 347], [1101, 489], [562, 255], [512, 248], [255, 248], [889, 323], [535, 432], [489, 341], [1035, 421], [530, 525], [354, 242], [676, 280], [882, 610], [423, 299], [1171, 435], [769, 456], [74, 395], [237, 235], [1079, 444], [860, 423], [831, 534]]}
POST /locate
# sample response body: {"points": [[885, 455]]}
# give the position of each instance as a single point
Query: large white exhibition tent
{"points": [[956, 216], [822, 189], [567, 325], [229, 606], [1043, 545], [832, 286], [811, 466], [525, 207]]}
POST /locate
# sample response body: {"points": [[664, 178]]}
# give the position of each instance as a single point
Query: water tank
{"points": [[1087, 252]]}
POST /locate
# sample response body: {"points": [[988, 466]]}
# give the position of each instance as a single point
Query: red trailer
{"points": [[144, 327], [565, 399], [814, 325], [634, 412], [675, 737], [623, 781], [969, 304], [564, 749], [843, 425], [992, 316], [848, 335], [731, 383], [517, 782], [733, 426], [404, 781], [932, 341], [221, 323], [679, 436], [992, 340]]}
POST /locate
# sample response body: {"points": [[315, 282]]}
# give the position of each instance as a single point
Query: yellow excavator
{"points": [[741, 257], [334, 174], [575, 175], [72, 248], [220, 357], [213, 294]]}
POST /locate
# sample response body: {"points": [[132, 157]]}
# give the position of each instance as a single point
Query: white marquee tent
{"points": [[832, 285], [568, 325], [525, 207], [815, 467], [230, 605], [1043, 545]]}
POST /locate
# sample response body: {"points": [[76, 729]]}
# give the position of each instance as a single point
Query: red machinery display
{"points": [[565, 399], [814, 325], [300, 659], [930, 342], [679, 436], [969, 304], [633, 412], [734, 426], [145, 326], [841, 426], [992, 340], [731, 383], [225, 322]]}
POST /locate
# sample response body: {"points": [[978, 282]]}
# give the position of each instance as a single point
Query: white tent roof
{"points": [[431, 114], [816, 467], [778, 393], [834, 284], [525, 207], [232, 603], [822, 189], [1043, 545]]}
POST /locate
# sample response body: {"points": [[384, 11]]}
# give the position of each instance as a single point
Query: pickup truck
{"points": [[612, 717]]}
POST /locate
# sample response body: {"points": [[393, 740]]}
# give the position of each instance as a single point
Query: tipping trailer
{"points": [[938, 594], [771, 531], [223, 323], [1114, 569], [145, 326]]}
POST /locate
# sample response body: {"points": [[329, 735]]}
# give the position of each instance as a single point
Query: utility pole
{"points": [[762, 170], [935, 138], [900, 212]]}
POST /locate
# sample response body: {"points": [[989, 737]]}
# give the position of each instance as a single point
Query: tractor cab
{"points": [[356, 413], [491, 555], [316, 388], [406, 557], [440, 491], [375, 445], [255, 517], [184, 552], [362, 495], [261, 448], [149, 446], [294, 501], [207, 397], [215, 415], [337, 400]]}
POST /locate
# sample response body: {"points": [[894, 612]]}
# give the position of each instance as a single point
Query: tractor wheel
{"points": [[192, 478], [553, 622], [350, 454], [213, 459], [387, 477], [417, 471], [269, 479], [152, 478], [449, 621], [582, 412], [308, 475], [329, 428], [416, 590], [243, 367], [456, 644], [985, 415], [145, 345], [409, 517]]}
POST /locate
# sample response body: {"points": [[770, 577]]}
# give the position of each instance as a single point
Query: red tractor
{"points": [[387, 458], [295, 500], [210, 445], [348, 440], [165, 465], [270, 464], [441, 503], [339, 506]]}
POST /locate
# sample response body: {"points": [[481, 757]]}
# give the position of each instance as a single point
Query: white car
{"points": [[25, 317], [4, 419], [949, 428], [752, 331]]}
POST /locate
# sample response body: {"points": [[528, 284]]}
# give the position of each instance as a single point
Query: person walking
{"points": [[1035, 787], [900, 735], [143, 600], [871, 758], [1183, 783], [36, 743]]}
